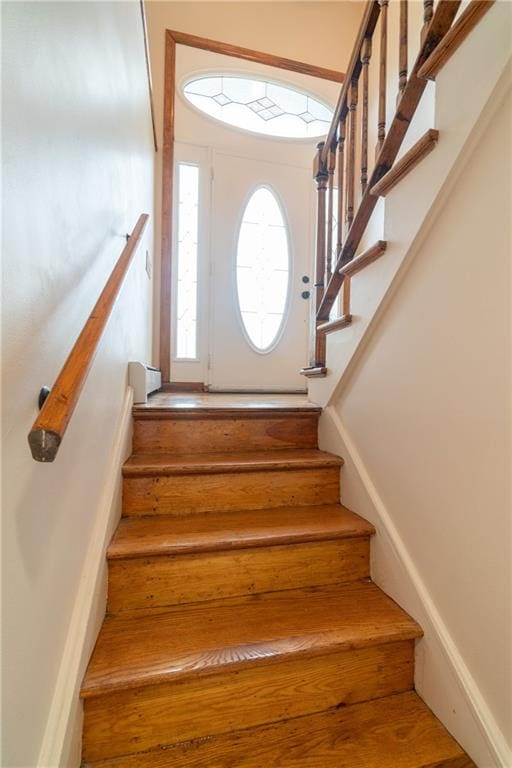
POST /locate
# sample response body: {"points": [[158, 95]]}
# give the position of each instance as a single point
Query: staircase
{"points": [[243, 628]]}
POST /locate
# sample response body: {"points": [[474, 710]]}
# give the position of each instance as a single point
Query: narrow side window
{"points": [[186, 314]]}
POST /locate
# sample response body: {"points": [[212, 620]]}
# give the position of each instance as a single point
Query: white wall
{"points": [[423, 418], [77, 173]]}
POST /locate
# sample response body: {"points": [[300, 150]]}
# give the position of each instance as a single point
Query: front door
{"points": [[252, 283], [261, 274]]}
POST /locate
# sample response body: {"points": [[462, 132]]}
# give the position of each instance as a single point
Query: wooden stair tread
{"points": [[208, 637], [169, 535], [396, 731], [144, 465]]}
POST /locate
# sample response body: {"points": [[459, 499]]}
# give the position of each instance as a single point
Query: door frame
{"points": [[172, 39]]}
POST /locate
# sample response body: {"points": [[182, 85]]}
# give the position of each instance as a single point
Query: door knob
{"points": [[305, 294], [305, 279]]}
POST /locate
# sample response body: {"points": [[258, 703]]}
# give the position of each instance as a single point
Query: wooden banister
{"points": [[437, 26], [468, 19], [368, 22], [48, 429]]}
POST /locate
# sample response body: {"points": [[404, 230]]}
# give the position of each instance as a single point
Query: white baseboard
{"points": [[61, 747], [440, 666]]}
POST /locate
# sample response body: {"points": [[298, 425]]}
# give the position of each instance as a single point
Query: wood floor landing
{"points": [[192, 401]]}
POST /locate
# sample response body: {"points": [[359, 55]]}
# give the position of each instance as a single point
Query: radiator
{"points": [[144, 379]]}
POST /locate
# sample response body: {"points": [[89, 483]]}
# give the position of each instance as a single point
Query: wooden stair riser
{"points": [[136, 583], [134, 720], [186, 494], [223, 433]]}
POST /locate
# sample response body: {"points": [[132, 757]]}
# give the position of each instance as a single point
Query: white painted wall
{"points": [[420, 408], [78, 160]]}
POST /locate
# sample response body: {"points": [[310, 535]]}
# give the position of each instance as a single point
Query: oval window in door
{"points": [[262, 269]]}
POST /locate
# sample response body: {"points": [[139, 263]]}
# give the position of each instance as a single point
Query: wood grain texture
{"points": [[50, 425], [168, 535], [167, 205], [198, 638], [186, 494], [335, 325], [156, 464], [224, 432], [165, 580], [364, 259], [396, 731], [454, 38], [228, 402], [248, 54], [383, 59], [403, 47], [404, 166], [131, 721], [321, 175]]}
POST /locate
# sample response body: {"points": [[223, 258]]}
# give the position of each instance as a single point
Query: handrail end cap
{"points": [[44, 444]]}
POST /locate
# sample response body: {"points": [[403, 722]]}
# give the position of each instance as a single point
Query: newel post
{"points": [[321, 176]]}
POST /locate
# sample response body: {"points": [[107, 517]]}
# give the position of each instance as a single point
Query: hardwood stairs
{"points": [[242, 627]]}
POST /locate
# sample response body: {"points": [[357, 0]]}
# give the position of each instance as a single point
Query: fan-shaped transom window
{"points": [[262, 269], [259, 106]]}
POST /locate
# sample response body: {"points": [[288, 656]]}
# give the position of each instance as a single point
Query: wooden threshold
{"points": [[362, 261], [184, 386], [335, 325], [454, 38], [410, 160]]}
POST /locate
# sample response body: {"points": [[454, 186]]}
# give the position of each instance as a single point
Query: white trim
{"points": [[61, 744], [483, 718]]}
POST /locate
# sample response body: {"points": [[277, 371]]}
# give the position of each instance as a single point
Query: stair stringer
{"points": [[467, 92]]}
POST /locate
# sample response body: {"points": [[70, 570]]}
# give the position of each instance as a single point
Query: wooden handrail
{"points": [[468, 19], [48, 429]]}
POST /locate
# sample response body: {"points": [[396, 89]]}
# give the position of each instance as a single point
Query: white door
{"points": [[261, 268], [242, 271]]}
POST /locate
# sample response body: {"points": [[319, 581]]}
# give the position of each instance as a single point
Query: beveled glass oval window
{"points": [[263, 269], [259, 106]]}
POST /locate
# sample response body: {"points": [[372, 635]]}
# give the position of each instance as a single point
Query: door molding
{"points": [[172, 39]]}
